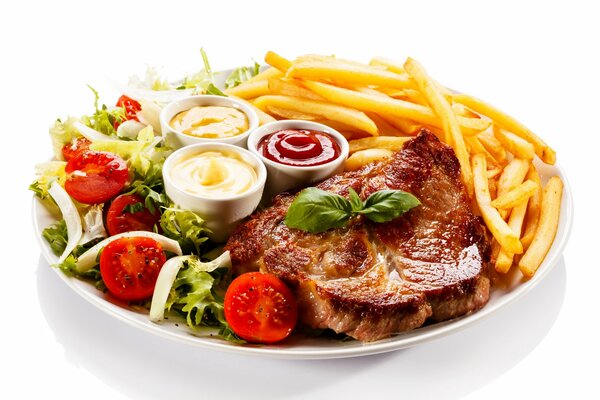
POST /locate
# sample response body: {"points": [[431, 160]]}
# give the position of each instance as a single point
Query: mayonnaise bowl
{"points": [[283, 177], [221, 182], [180, 131]]}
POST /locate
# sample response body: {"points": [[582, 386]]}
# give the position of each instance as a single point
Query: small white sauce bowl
{"points": [[221, 214], [283, 177], [177, 139]]}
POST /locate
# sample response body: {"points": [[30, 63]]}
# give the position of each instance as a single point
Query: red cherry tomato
{"points": [[131, 109], [77, 146], [129, 267], [260, 308], [95, 176], [119, 220]]}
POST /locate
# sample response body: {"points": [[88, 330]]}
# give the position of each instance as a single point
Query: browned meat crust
{"points": [[372, 280]]}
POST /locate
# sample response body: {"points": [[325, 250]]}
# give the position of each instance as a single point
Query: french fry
{"points": [[384, 127], [516, 196], [463, 111], [356, 74], [394, 143], [333, 112], [387, 106], [492, 173], [291, 87], [544, 152], [519, 147], [546, 230], [495, 223], [512, 176], [392, 66], [475, 147], [504, 260], [404, 126], [415, 96], [263, 117], [249, 90], [267, 74], [533, 208], [291, 114], [363, 157], [277, 61], [443, 109], [493, 147]]}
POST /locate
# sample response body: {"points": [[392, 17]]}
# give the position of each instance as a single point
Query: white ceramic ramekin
{"points": [[224, 213], [283, 177], [176, 139]]}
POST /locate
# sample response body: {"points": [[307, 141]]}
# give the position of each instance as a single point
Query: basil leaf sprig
{"points": [[316, 210]]}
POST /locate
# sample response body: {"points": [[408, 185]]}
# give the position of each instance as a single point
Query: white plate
{"points": [[312, 348]]}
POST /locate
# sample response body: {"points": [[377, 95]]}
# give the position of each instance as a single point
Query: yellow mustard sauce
{"points": [[210, 122], [213, 174]]}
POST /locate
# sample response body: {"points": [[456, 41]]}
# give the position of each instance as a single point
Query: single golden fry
{"points": [[516, 196], [291, 114], [333, 112], [495, 223], [268, 73], [463, 111], [415, 96], [504, 260], [512, 176], [519, 147], [492, 173], [363, 157], [249, 90], [546, 230], [493, 147], [390, 65], [263, 117], [291, 87], [544, 152], [475, 147], [277, 61], [443, 109], [384, 126], [394, 143], [351, 73], [533, 208]]}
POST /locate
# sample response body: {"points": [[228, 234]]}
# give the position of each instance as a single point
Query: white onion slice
{"points": [[91, 134], [167, 276], [71, 217], [88, 259], [130, 129]]}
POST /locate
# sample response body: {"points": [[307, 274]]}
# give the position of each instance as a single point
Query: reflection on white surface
{"points": [[144, 366]]}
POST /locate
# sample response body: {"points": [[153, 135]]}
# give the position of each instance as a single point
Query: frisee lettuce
{"points": [[241, 74], [46, 173], [103, 120], [185, 226], [198, 293]]}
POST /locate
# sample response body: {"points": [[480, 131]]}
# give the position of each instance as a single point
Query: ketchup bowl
{"points": [[223, 183], [297, 153], [176, 137]]}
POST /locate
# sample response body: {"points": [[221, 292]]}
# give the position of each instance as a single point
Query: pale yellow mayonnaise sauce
{"points": [[210, 122], [213, 174]]}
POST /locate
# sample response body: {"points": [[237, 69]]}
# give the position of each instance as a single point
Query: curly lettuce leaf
{"points": [[185, 226], [46, 174], [103, 120], [62, 133], [56, 236], [241, 74], [198, 293]]}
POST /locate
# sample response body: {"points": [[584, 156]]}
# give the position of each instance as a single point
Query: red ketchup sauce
{"points": [[299, 147]]}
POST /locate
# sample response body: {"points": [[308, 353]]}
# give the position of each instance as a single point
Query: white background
{"points": [[537, 62]]}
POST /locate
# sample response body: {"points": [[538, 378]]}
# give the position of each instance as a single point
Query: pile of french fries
{"points": [[380, 105]]}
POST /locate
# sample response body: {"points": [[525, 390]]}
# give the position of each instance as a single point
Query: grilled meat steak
{"points": [[372, 280]]}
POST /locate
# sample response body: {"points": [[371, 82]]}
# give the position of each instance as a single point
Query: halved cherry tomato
{"points": [[95, 176], [77, 146], [129, 267], [119, 220], [260, 308], [131, 109]]}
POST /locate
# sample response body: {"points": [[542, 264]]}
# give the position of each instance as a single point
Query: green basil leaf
{"points": [[315, 210], [385, 205], [355, 200]]}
